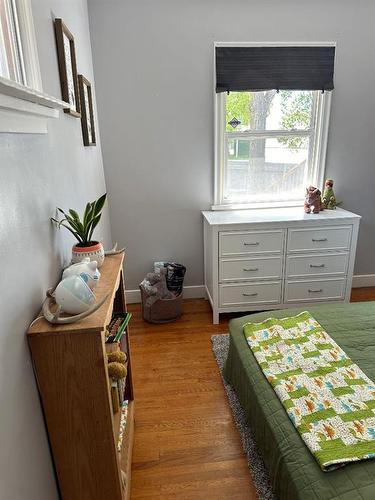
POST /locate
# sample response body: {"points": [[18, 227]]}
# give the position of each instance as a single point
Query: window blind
{"points": [[281, 68]]}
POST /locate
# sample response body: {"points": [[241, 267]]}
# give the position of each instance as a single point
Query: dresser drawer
{"points": [[250, 269], [250, 294], [328, 238], [315, 290], [250, 242], [315, 264]]}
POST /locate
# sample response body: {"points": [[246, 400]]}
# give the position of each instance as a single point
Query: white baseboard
{"points": [[190, 292], [361, 280]]}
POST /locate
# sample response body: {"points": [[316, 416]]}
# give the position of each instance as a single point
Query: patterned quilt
{"points": [[330, 401]]}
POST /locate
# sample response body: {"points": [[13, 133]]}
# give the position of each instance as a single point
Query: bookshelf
{"points": [[70, 366]]}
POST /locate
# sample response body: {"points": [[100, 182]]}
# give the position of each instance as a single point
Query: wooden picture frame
{"points": [[67, 67], [87, 111]]}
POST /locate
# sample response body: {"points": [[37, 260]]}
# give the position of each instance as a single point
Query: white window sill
{"points": [[24, 110], [254, 206]]}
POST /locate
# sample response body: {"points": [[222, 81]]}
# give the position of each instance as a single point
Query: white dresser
{"points": [[274, 258]]}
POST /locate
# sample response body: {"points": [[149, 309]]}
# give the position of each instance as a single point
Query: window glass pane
{"points": [[286, 110], [266, 169], [11, 63]]}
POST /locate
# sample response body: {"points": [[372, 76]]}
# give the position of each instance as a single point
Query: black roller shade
{"points": [[281, 68]]}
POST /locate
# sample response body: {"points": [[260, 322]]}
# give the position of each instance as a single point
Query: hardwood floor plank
{"points": [[186, 443], [223, 478], [365, 294]]}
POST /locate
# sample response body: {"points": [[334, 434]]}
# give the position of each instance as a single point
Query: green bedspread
{"points": [[329, 399], [294, 472]]}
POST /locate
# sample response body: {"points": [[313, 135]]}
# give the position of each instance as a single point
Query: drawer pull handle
{"points": [[251, 244], [251, 269], [318, 240], [250, 294], [315, 291], [317, 265]]}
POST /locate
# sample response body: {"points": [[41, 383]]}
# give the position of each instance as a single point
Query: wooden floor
{"points": [[186, 444]]}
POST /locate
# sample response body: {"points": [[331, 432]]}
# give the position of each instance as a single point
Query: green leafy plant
{"points": [[82, 229]]}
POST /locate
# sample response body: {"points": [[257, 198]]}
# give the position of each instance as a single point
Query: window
{"points": [[11, 56], [23, 106], [270, 145], [18, 51]]}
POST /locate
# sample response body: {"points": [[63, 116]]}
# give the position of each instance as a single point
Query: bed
{"points": [[293, 470]]}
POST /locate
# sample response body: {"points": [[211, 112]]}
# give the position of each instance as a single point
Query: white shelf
{"points": [[25, 110]]}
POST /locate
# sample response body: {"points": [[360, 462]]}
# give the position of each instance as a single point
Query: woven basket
{"points": [[163, 310]]}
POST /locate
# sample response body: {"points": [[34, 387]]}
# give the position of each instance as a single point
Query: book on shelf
{"points": [[117, 327]]}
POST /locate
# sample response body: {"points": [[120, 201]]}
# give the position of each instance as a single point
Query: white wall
{"points": [[153, 61], [38, 172]]}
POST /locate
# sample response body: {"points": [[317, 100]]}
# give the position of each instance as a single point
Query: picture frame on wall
{"points": [[87, 111], [67, 67]]}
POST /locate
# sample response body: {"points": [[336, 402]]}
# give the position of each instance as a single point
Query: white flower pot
{"points": [[93, 252]]}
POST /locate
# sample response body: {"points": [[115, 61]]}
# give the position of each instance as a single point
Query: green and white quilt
{"points": [[328, 398]]}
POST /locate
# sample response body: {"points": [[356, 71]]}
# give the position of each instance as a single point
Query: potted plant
{"points": [[83, 229]]}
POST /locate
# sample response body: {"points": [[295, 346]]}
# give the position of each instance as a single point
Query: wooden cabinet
{"points": [[274, 258], [70, 365]]}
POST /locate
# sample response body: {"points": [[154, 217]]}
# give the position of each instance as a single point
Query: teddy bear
{"points": [[155, 286], [313, 200]]}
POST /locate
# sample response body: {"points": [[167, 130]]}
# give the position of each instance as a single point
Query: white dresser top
{"points": [[291, 214]]}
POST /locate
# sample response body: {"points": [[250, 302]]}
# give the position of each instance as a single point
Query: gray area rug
{"points": [[220, 346]]}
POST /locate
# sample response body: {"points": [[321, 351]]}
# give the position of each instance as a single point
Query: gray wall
{"points": [[38, 172], [153, 63]]}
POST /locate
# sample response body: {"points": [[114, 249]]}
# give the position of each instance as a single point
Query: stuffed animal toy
{"points": [[313, 201], [329, 199], [155, 286]]}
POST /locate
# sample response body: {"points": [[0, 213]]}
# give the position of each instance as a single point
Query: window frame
{"points": [[26, 108], [29, 47], [11, 11], [319, 148]]}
